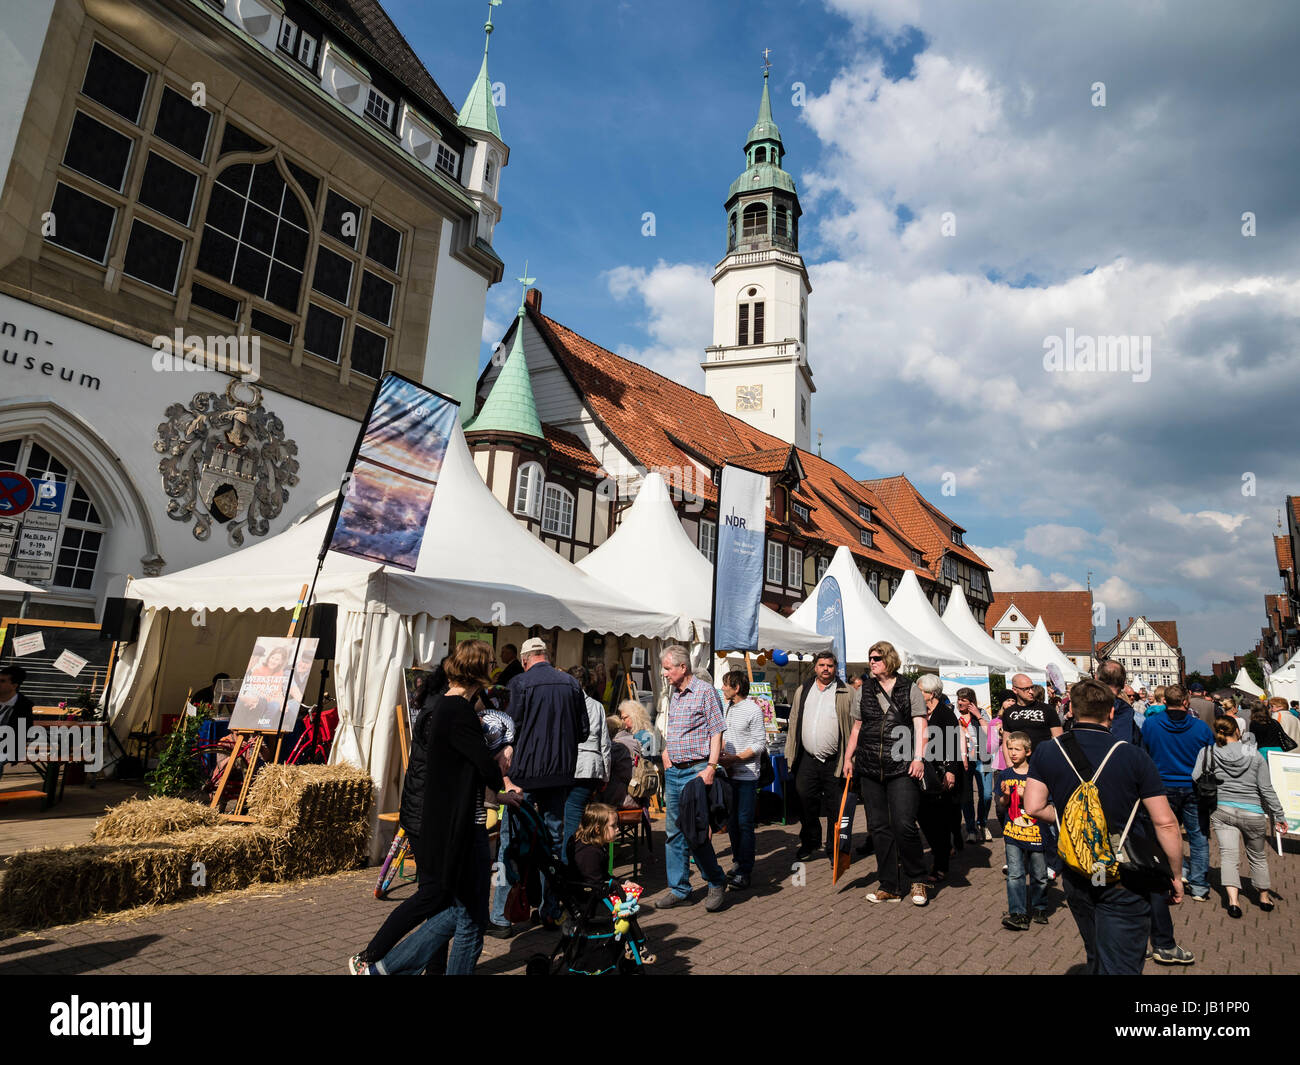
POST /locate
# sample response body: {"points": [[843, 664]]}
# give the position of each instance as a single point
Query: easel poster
{"points": [[261, 695], [1285, 772], [761, 692], [976, 677]]}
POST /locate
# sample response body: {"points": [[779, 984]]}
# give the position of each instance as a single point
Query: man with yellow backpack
{"points": [[1093, 785]]}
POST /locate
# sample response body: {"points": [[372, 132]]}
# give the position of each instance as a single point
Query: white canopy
{"points": [[865, 620], [476, 562], [1041, 650], [911, 609], [1243, 683], [1285, 681], [651, 558], [13, 586], [961, 622]]}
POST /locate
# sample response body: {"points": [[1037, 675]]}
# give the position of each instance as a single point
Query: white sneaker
{"points": [[988, 836]]}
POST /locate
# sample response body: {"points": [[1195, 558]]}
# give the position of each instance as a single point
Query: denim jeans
{"points": [[982, 779], [579, 795], [510, 875], [1022, 861], [744, 795], [1113, 922], [1183, 802], [458, 924], [677, 852]]}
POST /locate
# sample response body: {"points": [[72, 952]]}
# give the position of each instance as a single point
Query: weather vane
{"points": [[525, 280], [766, 62]]}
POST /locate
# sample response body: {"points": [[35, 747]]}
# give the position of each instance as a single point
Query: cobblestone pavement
{"points": [[775, 927]]}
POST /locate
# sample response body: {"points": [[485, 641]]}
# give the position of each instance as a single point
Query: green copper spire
{"points": [[764, 129], [510, 406], [479, 111]]}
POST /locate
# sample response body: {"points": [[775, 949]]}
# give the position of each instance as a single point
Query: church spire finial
{"points": [[488, 27], [525, 280], [480, 111]]}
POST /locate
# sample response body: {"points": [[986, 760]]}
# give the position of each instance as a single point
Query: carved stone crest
{"points": [[225, 460]]}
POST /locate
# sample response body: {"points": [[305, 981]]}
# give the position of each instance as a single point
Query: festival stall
{"points": [[1041, 651], [911, 609], [1243, 683], [961, 622], [1285, 681], [475, 562], [866, 621]]}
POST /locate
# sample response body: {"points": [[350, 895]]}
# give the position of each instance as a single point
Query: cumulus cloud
{"points": [[678, 300]]}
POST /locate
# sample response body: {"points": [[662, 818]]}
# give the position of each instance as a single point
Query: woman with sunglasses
{"points": [[884, 753]]}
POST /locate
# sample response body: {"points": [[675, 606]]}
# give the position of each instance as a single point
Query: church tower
{"points": [[757, 367]]}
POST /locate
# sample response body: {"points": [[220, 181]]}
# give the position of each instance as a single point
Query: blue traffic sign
{"points": [[49, 496], [17, 493]]}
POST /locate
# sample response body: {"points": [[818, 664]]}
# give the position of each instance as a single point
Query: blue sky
{"points": [[1115, 220]]}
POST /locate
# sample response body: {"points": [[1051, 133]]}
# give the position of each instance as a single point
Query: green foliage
{"points": [[180, 773], [997, 690], [1251, 663]]}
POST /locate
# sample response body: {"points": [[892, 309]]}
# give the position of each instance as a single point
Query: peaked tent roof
{"points": [[476, 561], [865, 620], [962, 624], [1243, 683], [1041, 650], [652, 559], [911, 609]]}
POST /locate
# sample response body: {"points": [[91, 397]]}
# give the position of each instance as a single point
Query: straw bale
{"points": [[142, 819], [287, 796]]}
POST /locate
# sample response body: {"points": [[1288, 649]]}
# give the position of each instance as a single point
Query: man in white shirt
{"points": [[820, 724]]}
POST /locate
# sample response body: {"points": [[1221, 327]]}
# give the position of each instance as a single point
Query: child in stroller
{"points": [[601, 934]]}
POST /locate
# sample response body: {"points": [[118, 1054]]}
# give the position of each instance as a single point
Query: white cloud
{"points": [[1052, 539], [678, 299]]}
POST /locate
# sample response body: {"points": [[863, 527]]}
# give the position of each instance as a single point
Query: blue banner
{"points": [[738, 569], [830, 621], [394, 472]]}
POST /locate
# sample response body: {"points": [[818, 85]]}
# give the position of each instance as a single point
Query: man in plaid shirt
{"points": [[692, 747]]}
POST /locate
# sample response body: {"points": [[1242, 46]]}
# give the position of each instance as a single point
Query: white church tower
{"points": [[757, 367]]}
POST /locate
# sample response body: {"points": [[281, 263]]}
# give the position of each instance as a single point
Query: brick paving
{"points": [[311, 927]]}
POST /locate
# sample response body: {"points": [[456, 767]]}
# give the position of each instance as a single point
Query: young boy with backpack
{"points": [[1023, 839]]}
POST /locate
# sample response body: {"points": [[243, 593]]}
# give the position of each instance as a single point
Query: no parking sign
{"points": [[17, 493]]}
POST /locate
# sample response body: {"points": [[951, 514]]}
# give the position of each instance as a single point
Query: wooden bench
{"points": [[26, 793]]}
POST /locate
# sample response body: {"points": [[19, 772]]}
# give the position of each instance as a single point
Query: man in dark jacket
{"points": [[1123, 725], [15, 708], [550, 716], [820, 723]]}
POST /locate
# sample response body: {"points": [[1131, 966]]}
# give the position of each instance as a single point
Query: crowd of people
{"points": [[926, 772]]}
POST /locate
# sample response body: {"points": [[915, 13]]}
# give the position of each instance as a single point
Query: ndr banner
{"points": [[830, 621], [393, 474], [738, 570]]}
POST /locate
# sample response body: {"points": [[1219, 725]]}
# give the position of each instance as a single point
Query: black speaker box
{"points": [[121, 620]]}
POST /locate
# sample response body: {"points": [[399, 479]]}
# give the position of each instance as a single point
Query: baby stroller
{"points": [[600, 934]]}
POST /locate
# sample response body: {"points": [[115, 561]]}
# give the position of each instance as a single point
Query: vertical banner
{"points": [[393, 474], [830, 622], [738, 569]]}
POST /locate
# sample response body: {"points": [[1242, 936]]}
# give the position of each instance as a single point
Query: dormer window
{"points": [[379, 107], [288, 35], [956, 538], [864, 512], [297, 44], [916, 558], [447, 160], [866, 538], [307, 50], [801, 512]]}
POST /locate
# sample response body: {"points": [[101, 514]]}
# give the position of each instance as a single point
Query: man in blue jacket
{"points": [[1124, 725], [550, 716]]}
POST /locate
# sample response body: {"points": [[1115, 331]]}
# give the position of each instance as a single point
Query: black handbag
{"points": [[1207, 784], [766, 774]]}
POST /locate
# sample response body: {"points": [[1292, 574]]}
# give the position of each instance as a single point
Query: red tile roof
{"points": [[1294, 503], [1069, 613], [658, 423], [1167, 631], [1282, 548], [573, 450], [923, 522]]}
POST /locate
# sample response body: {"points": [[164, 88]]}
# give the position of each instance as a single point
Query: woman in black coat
{"points": [[448, 822]]}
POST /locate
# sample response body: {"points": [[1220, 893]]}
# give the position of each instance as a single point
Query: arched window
{"points": [[81, 529], [754, 222], [760, 155], [256, 233], [731, 232], [528, 490], [557, 511], [490, 174], [781, 222]]}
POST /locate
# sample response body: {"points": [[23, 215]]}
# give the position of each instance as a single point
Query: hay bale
{"points": [[142, 819], [310, 796], [62, 884]]}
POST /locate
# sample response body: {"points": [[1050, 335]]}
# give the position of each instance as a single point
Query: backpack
{"points": [[1085, 843], [644, 782]]}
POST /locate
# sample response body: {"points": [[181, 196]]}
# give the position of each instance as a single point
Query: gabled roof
{"points": [[569, 447], [923, 522], [661, 424], [1069, 613], [367, 27], [1167, 631]]}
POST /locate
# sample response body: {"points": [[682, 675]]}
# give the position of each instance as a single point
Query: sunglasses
{"points": [[874, 658]]}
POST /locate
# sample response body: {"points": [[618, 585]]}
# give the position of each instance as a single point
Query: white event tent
{"points": [[651, 558], [476, 562], [1243, 683], [911, 609], [1041, 651], [1285, 681], [865, 620], [961, 622]]}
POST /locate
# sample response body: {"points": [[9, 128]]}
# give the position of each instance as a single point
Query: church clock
{"points": [[749, 397]]}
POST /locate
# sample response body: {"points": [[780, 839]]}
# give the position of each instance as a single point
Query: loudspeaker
{"points": [[324, 620], [121, 620]]}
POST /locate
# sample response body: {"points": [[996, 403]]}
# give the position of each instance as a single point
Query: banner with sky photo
{"points": [[394, 471], [738, 569]]}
